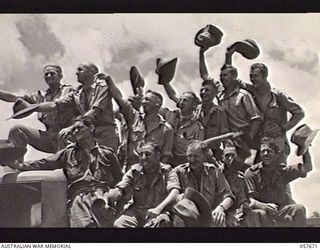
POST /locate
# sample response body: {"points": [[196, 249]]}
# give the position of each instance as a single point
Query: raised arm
{"points": [[7, 96], [204, 74], [229, 53], [171, 92], [307, 162]]}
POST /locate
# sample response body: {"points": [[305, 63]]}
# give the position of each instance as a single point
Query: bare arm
{"points": [[229, 53], [255, 125], [113, 195], [172, 196], [171, 92], [47, 107], [202, 64], [307, 163], [8, 97], [294, 120]]}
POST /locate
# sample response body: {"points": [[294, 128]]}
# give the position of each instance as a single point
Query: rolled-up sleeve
{"points": [[173, 181], [126, 184], [223, 187], [294, 172], [290, 105], [250, 107], [250, 179], [66, 102]]}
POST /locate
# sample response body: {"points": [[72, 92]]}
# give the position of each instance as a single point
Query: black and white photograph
{"points": [[159, 121]]}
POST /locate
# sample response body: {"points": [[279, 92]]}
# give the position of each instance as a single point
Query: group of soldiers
{"points": [[216, 161]]}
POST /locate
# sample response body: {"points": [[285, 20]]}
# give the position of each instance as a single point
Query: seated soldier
{"points": [[267, 183], [88, 167], [241, 214], [151, 185], [43, 140], [207, 179]]}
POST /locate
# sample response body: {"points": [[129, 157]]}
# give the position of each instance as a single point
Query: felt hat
{"points": [[303, 137], [248, 48], [103, 214], [136, 79], [9, 152], [22, 109], [208, 36], [194, 209], [166, 70]]}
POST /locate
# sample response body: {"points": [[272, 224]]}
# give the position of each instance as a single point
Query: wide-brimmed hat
{"points": [[22, 109], [103, 214], [248, 48], [9, 152], [208, 36], [194, 209], [166, 70], [136, 79], [303, 137]]}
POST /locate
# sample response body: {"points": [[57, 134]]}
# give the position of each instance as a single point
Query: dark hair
{"points": [[155, 93], [93, 68], [231, 69], [262, 68], [56, 67], [193, 96], [152, 144], [271, 143], [210, 82]]}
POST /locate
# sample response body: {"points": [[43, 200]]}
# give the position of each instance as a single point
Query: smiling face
{"points": [[257, 77], [227, 78], [186, 104], [149, 158], [81, 132], [196, 156], [208, 92], [52, 76], [268, 154], [150, 102]]}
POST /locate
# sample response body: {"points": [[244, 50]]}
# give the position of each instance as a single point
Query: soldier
{"points": [[89, 169], [267, 183], [206, 179], [146, 126], [43, 140], [93, 100], [151, 185]]}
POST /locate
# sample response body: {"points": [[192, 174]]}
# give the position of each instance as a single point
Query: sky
{"points": [[289, 46]]}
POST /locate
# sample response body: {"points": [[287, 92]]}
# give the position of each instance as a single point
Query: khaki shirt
{"points": [[212, 184], [272, 188], [185, 130], [99, 98], [240, 109], [146, 195], [100, 167], [53, 121], [235, 178], [214, 122], [162, 134]]}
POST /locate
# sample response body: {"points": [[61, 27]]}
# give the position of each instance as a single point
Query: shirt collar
{"points": [[273, 102], [235, 91], [205, 168]]}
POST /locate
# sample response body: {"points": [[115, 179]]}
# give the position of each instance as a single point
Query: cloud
{"points": [[37, 37], [303, 59]]}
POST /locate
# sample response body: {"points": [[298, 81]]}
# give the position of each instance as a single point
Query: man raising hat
{"points": [[43, 140], [267, 183]]}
